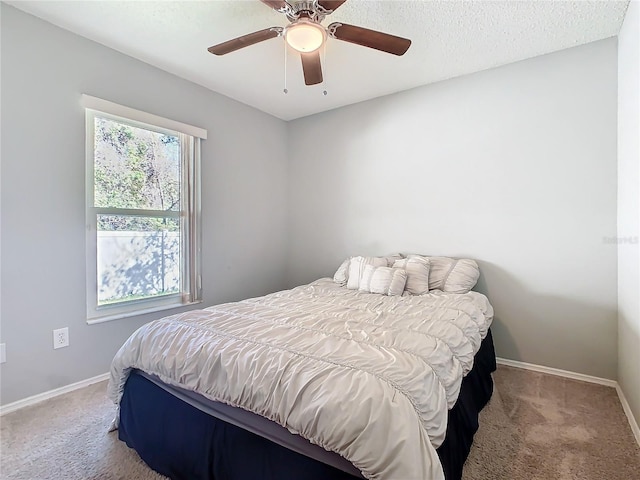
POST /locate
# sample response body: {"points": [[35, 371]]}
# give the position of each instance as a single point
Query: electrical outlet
{"points": [[61, 337], [3, 352]]}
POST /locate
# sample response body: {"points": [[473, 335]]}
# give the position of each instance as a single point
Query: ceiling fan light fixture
{"points": [[305, 36]]}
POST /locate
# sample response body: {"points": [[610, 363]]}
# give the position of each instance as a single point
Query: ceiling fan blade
{"points": [[275, 4], [311, 68], [369, 38], [244, 41], [331, 4]]}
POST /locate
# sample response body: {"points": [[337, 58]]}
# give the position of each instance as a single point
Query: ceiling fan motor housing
{"points": [[311, 9]]}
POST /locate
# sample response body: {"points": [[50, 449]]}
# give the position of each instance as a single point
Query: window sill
{"points": [[119, 316]]}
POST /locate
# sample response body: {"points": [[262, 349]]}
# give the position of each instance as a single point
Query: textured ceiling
{"points": [[450, 38]]}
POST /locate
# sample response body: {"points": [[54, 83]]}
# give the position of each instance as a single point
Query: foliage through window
{"points": [[141, 212]]}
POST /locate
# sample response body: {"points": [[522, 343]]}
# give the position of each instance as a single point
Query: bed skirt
{"points": [[181, 441]]}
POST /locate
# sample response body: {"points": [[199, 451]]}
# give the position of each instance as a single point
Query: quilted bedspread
{"points": [[368, 376]]}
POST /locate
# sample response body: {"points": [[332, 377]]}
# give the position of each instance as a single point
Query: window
{"points": [[143, 212]]}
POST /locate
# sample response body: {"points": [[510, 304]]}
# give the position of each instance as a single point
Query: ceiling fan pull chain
{"points": [[324, 61], [285, 68]]}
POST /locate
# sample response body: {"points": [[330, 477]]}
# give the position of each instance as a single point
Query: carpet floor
{"points": [[536, 427]]}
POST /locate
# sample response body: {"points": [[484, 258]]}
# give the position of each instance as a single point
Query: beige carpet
{"points": [[544, 427], [536, 427]]}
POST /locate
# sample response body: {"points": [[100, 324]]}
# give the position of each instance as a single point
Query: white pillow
{"points": [[452, 275], [342, 274], [417, 274], [383, 280], [356, 269]]}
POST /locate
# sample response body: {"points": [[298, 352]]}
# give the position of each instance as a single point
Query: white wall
{"points": [[515, 167], [629, 207], [244, 177]]}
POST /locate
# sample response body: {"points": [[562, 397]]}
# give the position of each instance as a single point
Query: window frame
{"points": [[189, 213]]}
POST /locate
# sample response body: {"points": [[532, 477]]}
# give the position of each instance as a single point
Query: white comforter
{"points": [[368, 376]]}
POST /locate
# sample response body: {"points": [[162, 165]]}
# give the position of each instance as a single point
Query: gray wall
{"points": [[629, 208], [244, 178], [514, 166]]}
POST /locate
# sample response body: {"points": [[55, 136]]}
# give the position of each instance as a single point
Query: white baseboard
{"points": [[584, 378], [556, 371], [12, 407], [627, 410]]}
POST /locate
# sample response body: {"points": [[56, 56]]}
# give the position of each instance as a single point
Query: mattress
{"points": [[399, 361]]}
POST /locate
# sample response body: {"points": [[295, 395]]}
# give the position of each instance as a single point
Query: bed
{"points": [[322, 381]]}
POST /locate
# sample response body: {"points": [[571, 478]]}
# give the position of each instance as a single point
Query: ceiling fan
{"points": [[306, 34]]}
